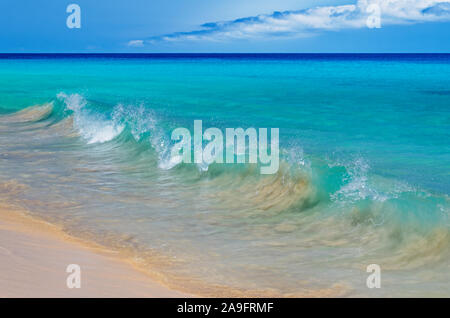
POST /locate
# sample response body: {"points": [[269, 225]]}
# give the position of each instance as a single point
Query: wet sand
{"points": [[34, 256]]}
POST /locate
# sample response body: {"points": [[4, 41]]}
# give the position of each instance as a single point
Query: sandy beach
{"points": [[34, 256]]}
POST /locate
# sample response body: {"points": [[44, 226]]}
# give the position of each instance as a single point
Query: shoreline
{"points": [[34, 256]]}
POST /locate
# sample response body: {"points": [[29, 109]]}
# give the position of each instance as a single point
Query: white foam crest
{"points": [[93, 127], [204, 166], [357, 184], [295, 156], [139, 119], [142, 121], [74, 102], [170, 162], [161, 144]]}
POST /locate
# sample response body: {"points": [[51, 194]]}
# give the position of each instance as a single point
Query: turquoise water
{"points": [[364, 173]]}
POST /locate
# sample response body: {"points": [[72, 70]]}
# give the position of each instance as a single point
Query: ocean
{"points": [[364, 175]]}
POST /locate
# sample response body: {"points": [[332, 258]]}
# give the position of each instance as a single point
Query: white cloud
{"points": [[302, 23], [136, 43]]}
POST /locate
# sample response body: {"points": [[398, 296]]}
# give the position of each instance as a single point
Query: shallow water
{"points": [[364, 173]]}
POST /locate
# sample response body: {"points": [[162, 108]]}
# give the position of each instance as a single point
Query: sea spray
{"points": [[94, 127]]}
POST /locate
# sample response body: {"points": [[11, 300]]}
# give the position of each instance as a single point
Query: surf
{"points": [[98, 163]]}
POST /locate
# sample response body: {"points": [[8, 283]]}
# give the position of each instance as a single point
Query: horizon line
{"points": [[224, 53]]}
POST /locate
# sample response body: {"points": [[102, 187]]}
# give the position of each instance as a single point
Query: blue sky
{"points": [[225, 26]]}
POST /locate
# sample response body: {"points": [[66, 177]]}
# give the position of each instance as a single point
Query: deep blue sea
{"points": [[364, 176]]}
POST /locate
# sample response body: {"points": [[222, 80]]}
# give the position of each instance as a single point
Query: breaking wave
{"points": [[123, 155]]}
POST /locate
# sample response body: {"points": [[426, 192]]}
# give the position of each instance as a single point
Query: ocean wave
{"points": [[302, 181], [29, 114], [93, 126], [114, 164]]}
